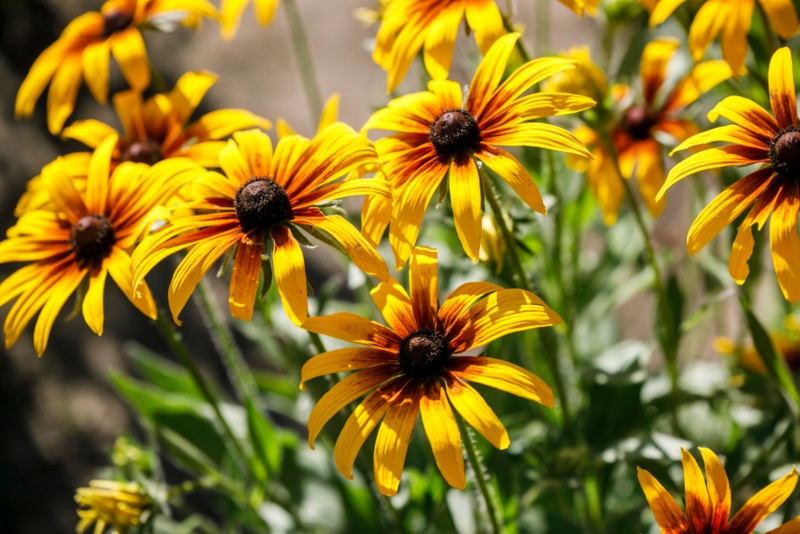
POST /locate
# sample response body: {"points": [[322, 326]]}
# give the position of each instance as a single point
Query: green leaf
{"points": [[161, 372], [265, 441]]}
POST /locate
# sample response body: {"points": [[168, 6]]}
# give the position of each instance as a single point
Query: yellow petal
{"points": [[394, 304], [698, 509], [188, 92], [501, 375], [95, 69], [537, 134], [93, 300], [702, 78], [723, 134], [376, 213], [649, 174], [256, 149], [394, 435], [509, 169], [119, 267], [489, 73], [475, 411], [747, 114], [784, 242], [90, 132], [486, 21], [128, 105], [290, 274], [663, 9], [791, 527], [63, 92], [653, 68], [719, 491], [129, 51], [223, 122], [423, 284], [330, 112], [781, 85], [465, 198], [734, 33], [234, 165], [341, 360], [441, 39], [667, 511], [98, 177], [707, 24], [782, 15], [244, 278], [763, 503], [355, 329], [62, 288], [442, 431], [42, 71], [230, 15], [742, 247], [452, 313], [265, 11], [62, 190]]}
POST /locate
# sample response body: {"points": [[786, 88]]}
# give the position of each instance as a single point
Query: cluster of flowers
{"points": [[92, 214]]}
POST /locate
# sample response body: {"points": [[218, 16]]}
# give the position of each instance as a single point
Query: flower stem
{"points": [[303, 54], [179, 349], [480, 478]]}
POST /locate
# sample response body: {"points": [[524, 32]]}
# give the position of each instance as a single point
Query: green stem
{"points": [[179, 349], [238, 371], [303, 53], [542, 43], [480, 478]]}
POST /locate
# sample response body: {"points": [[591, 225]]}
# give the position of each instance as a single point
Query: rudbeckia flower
{"points": [[87, 237], [440, 134], [431, 25], [636, 132], [263, 200], [773, 142], [154, 129], [231, 14], [708, 502], [106, 503], [82, 52], [413, 367], [731, 19]]}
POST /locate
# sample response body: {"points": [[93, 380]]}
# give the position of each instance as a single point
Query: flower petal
{"points": [[56, 296], [453, 310], [784, 242], [63, 92], [131, 54], [95, 60], [742, 247], [667, 511], [290, 273], [719, 491], [653, 67], [92, 307], [443, 434], [782, 15], [244, 278], [256, 149], [440, 39], [90, 132], [423, 284], [355, 329], [537, 134], [475, 411], [394, 435], [501, 375], [747, 114], [341, 360], [119, 267], [489, 73], [395, 306], [99, 171], [781, 85], [376, 212], [702, 78], [465, 198], [698, 509], [763, 503]]}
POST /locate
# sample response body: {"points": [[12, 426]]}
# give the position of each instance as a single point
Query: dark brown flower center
{"points": [[92, 239], [423, 353], [147, 151], [262, 203], [116, 20], [637, 121], [455, 133], [784, 152]]}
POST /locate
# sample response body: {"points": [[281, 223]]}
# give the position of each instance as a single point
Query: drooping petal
{"points": [[784, 242], [486, 21], [465, 197], [56, 297], [289, 268], [341, 360], [653, 68], [355, 329], [707, 24], [501, 375], [441, 39], [475, 411], [742, 247], [40, 74], [95, 60], [667, 511], [735, 28], [376, 212], [663, 9], [781, 85], [782, 15], [443, 434], [92, 307], [763, 503], [131, 54], [63, 92], [394, 304], [719, 491], [230, 16], [394, 435], [698, 509], [119, 267], [244, 278], [423, 284]]}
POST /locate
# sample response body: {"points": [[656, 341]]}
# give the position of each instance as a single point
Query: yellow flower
{"points": [[585, 79], [231, 14], [582, 6], [82, 52], [153, 130], [431, 25], [708, 502], [635, 133], [267, 198], [732, 19], [786, 342], [412, 366], [108, 503], [440, 133], [86, 238], [774, 144]]}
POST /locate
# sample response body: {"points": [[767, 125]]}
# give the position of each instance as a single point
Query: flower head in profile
{"points": [[772, 142], [635, 132], [441, 134], [83, 49], [154, 129], [231, 14], [106, 503], [257, 209], [413, 366], [731, 19], [84, 239], [431, 25], [708, 502]]}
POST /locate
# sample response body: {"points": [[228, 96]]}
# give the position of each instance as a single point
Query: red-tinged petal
{"points": [[475, 411], [342, 360], [465, 198], [501, 375], [500, 313], [489, 73], [701, 79], [782, 16], [792, 527], [653, 68], [698, 508], [724, 134], [441, 39], [649, 174], [536, 134], [784, 242], [63, 92], [742, 247], [289, 268], [93, 312], [68, 281], [361, 423], [98, 177], [355, 329], [452, 314], [423, 284], [713, 158], [413, 113], [129, 51], [343, 393], [256, 149], [405, 47], [719, 492], [781, 85], [394, 435], [119, 267], [443, 434], [376, 213], [724, 209], [763, 503], [667, 511], [244, 279], [394, 304], [747, 114]]}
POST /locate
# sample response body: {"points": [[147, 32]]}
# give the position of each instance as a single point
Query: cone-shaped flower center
{"points": [[423, 353], [116, 20], [262, 203], [147, 151], [784, 152], [637, 122], [454, 133], [92, 239]]}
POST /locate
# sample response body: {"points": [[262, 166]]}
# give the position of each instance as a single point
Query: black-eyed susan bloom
{"points": [[231, 14], [755, 137], [86, 237], [263, 199], [442, 134], [106, 503], [83, 49], [708, 502], [413, 366]]}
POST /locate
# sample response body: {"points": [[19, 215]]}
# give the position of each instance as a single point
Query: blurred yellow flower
{"points": [[787, 342], [231, 14], [585, 79], [82, 52], [111, 504], [708, 502]]}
